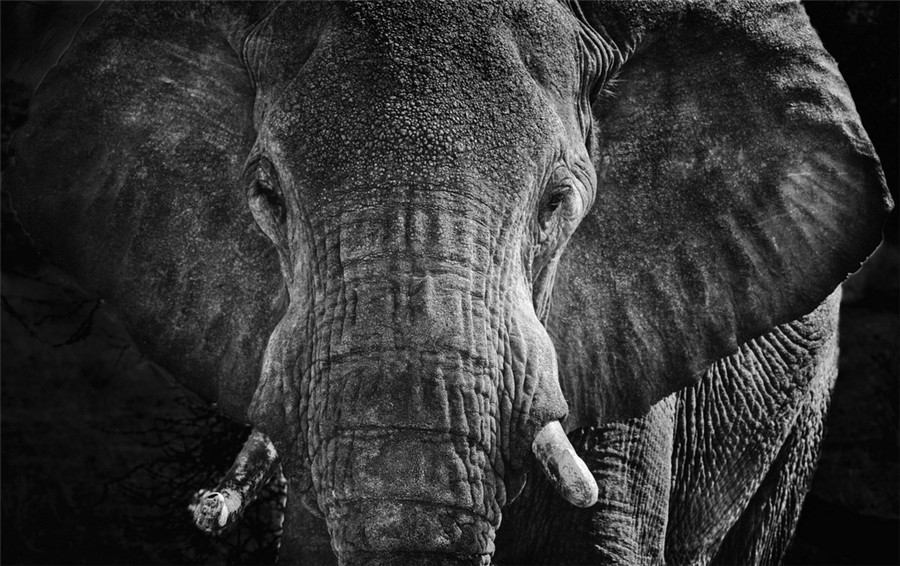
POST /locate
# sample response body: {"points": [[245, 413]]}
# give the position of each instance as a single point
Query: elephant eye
{"points": [[554, 201], [264, 193], [271, 198]]}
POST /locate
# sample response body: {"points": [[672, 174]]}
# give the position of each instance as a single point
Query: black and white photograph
{"points": [[450, 282]]}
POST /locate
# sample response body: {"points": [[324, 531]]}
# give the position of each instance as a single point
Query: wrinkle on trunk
{"points": [[422, 378], [406, 455]]}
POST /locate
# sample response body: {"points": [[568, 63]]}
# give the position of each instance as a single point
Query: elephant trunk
{"points": [[411, 385], [408, 500], [407, 448], [412, 464]]}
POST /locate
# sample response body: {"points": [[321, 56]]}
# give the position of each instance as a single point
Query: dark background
{"points": [[850, 517], [100, 453]]}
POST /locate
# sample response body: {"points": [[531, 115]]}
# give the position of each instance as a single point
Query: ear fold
{"points": [[737, 189], [128, 174]]}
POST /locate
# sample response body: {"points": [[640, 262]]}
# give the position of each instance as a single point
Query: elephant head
{"points": [[392, 236]]}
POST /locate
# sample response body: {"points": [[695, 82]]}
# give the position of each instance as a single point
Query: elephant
{"points": [[575, 264]]}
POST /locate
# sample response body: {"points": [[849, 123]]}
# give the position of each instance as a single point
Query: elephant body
{"points": [[715, 473], [409, 243]]}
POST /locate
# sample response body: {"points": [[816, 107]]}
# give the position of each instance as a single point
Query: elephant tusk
{"points": [[214, 510], [563, 467]]}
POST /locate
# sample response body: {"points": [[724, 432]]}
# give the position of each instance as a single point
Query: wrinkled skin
{"points": [[426, 179]]}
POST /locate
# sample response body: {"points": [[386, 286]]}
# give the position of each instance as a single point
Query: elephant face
{"points": [[411, 370], [404, 241]]}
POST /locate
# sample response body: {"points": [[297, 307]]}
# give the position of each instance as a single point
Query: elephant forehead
{"points": [[421, 94], [542, 33]]}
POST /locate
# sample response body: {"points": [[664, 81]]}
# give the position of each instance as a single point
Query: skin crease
{"points": [[379, 257]]}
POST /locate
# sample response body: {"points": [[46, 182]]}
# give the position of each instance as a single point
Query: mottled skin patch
{"points": [[354, 225]]}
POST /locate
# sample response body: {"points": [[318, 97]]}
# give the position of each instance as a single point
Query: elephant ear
{"points": [[35, 34], [128, 176], [736, 190]]}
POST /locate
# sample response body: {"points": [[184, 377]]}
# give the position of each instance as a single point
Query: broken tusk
{"points": [[213, 510], [563, 467], [210, 511]]}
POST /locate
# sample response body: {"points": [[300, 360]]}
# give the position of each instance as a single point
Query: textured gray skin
{"points": [[713, 474], [401, 161]]}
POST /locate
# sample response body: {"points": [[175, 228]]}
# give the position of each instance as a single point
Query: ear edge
{"points": [[133, 227]]}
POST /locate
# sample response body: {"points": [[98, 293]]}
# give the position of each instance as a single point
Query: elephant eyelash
{"points": [[555, 200], [262, 188], [550, 206], [274, 201]]}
